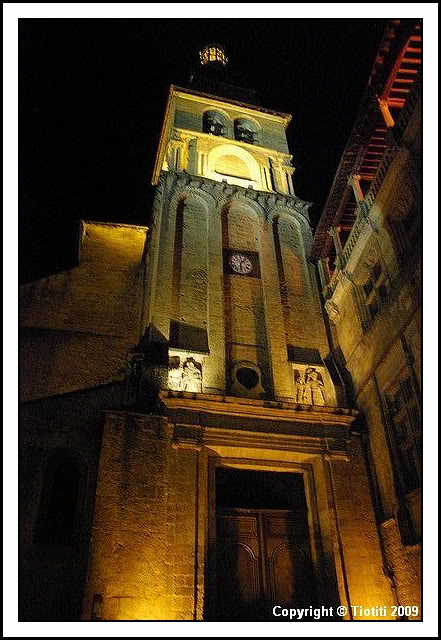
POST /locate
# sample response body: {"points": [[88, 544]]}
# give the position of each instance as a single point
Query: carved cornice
{"points": [[186, 186], [216, 100], [280, 411], [222, 190], [336, 448], [292, 204]]}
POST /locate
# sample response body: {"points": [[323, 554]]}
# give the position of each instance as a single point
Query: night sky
{"points": [[92, 96]]}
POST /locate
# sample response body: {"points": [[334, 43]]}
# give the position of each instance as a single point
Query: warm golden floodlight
{"points": [[213, 53]]}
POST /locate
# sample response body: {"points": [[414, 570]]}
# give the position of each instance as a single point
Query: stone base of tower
{"points": [[153, 544]]}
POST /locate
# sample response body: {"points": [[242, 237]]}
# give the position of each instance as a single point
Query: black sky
{"points": [[92, 94]]}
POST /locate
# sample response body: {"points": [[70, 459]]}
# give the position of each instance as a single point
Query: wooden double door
{"points": [[263, 559]]}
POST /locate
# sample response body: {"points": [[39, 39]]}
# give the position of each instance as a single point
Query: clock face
{"points": [[240, 263]]}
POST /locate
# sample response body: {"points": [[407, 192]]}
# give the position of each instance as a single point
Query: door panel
{"points": [[237, 567], [281, 570], [238, 582], [262, 559], [288, 560]]}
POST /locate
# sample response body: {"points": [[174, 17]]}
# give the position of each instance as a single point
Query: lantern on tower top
{"points": [[213, 53]]}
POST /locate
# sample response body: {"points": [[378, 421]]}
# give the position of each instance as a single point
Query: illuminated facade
{"points": [[368, 246], [193, 397]]}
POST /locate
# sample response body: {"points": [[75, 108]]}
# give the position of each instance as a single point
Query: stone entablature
{"points": [[274, 410], [330, 438]]}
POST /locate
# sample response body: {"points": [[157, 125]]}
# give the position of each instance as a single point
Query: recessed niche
{"points": [[247, 377]]}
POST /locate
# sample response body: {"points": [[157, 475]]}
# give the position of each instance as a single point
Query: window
{"points": [[406, 432], [406, 233], [375, 290], [214, 124], [404, 426], [230, 165], [245, 131], [58, 510]]}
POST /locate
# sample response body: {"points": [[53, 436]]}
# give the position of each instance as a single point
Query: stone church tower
{"points": [[245, 486], [231, 477]]}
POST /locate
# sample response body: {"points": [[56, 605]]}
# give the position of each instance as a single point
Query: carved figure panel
{"points": [[184, 374], [309, 387]]}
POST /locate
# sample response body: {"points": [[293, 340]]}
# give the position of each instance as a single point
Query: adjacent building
{"points": [[368, 246]]}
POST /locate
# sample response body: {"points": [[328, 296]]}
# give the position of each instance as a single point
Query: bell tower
{"points": [[231, 288], [240, 484]]}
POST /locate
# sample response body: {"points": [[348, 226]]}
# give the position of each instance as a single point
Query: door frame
{"points": [[325, 574]]}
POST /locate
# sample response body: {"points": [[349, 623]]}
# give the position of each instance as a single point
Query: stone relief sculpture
{"points": [[299, 387], [309, 388], [314, 383], [175, 377], [185, 376], [191, 377]]}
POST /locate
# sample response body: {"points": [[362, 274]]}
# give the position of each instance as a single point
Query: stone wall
{"points": [[79, 325], [77, 330], [52, 578], [405, 562], [142, 550], [364, 571]]}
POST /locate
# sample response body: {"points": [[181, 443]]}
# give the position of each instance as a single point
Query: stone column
{"points": [[387, 116], [269, 183], [323, 271], [354, 182], [183, 552], [289, 173], [193, 157], [334, 233], [263, 180], [279, 175]]}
